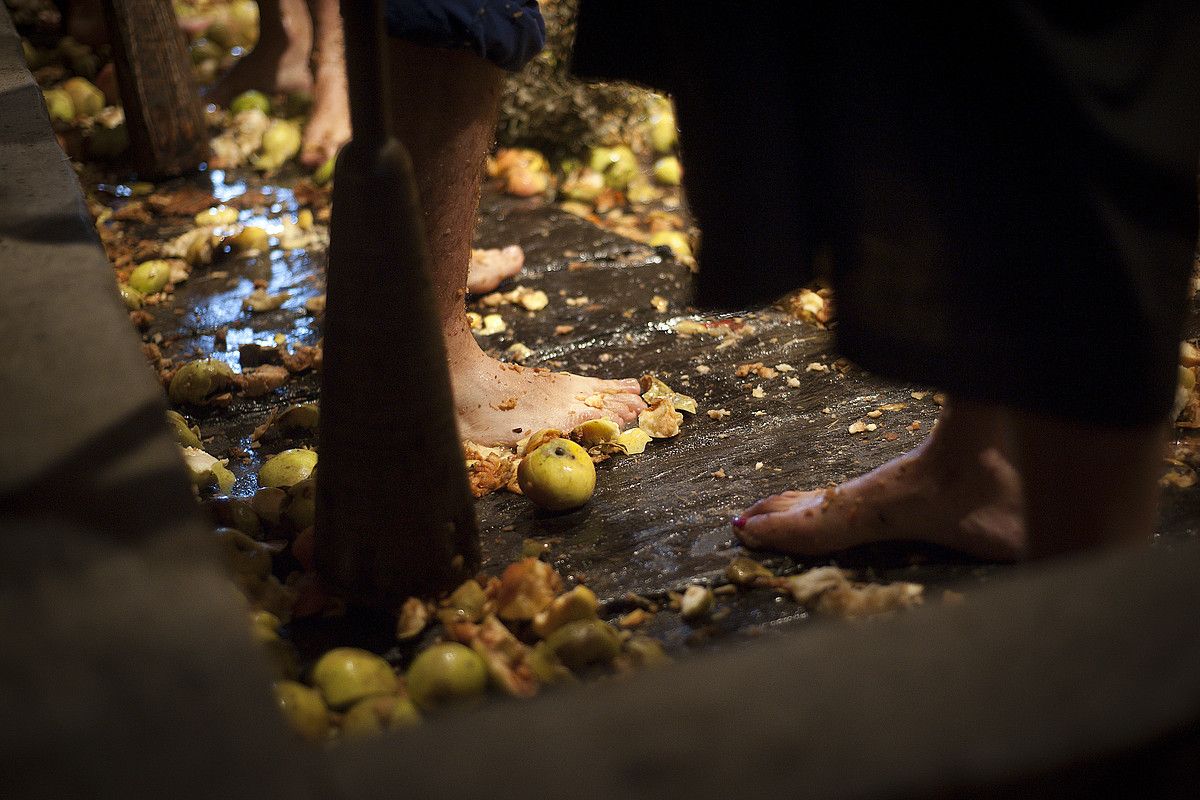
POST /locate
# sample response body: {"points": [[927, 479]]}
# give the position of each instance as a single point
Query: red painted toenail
{"points": [[739, 521]]}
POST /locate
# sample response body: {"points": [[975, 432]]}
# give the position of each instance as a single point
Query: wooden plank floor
{"points": [[658, 520]]}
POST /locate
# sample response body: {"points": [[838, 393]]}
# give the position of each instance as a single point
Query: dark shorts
{"points": [[506, 32], [1006, 191]]}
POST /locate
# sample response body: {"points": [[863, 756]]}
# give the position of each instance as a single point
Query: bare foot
{"points": [[489, 268], [267, 71], [328, 127], [503, 403], [973, 506], [278, 63], [458, 95]]}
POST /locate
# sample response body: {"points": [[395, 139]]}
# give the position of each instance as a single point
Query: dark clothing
{"points": [[1006, 189], [506, 32]]}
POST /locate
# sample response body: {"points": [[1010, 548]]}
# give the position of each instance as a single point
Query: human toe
{"points": [[775, 503], [316, 152]]}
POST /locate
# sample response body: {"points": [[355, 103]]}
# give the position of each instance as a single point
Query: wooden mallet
{"points": [[395, 516], [163, 112]]}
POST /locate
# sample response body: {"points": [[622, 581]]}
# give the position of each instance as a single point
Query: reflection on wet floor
{"points": [[658, 520]]}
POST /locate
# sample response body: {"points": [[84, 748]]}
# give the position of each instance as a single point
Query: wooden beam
{"points": [[395, 516], [163, 113]]}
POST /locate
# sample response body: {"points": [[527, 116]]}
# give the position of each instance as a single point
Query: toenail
{"points": [[739, 521]]}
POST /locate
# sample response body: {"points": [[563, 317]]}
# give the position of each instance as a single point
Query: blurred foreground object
{"points": [[395, 515], [167, 136]]}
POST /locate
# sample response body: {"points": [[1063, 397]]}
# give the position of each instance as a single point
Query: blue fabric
{"points": [[506, 32]]}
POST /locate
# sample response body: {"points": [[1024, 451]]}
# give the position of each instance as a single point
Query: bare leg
{"points": [[329, 125], [446, 104], [279, 62], [957, 489], [1087, 486]]}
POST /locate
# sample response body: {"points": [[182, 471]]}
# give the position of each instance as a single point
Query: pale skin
{"points": [[329, 123], [989, 481], [496, 403], [458, 94], [301, 49], [491, 267], [328, 129], [279, 61], [958, 489]]}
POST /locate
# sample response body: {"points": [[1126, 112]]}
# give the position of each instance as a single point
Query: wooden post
{"points": [[163, 114], [395, 516]]}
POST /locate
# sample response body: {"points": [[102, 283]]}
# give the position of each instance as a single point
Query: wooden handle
{"points": [[395, 516], [163, 113]]}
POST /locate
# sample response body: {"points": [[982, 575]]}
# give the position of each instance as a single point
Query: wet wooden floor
{"points": [[661, 519]]}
